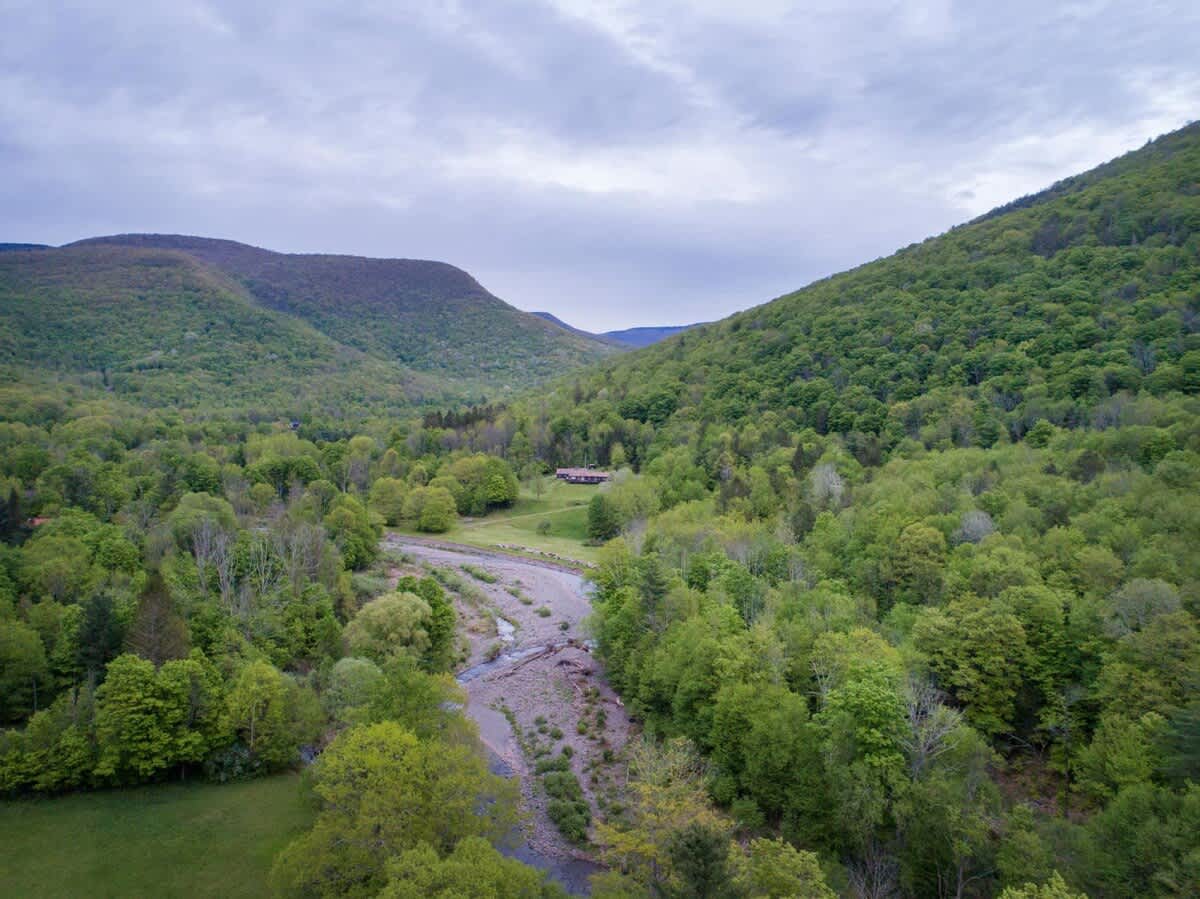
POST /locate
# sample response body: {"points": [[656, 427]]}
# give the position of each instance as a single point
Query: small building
{"points": [[581, 475]]}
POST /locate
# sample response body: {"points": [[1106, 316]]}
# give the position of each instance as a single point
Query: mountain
{"points": [[640, 337], [427, 316], [185, 320], [629, 337], [554, 319], [1044, 309], [162, 329]]}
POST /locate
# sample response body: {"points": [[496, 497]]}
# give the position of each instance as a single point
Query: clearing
{"points": [[561, 505]]}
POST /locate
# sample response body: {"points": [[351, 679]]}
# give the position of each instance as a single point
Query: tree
{"points": [[442, 620], [864, 725], [1138, 603], [352, 685], [158, 632], [698, 856], [387, 498], [774, 869], [99, 638], [1144, 843], [24, 672], [602, 521], [432, 508], [260, 711], [1054, 888], [915, 565], [395, 622], [1123, 752], [977, 649], [437, 512], [194, 511], [383, 791], [58, 566], [133, 739], [665, 795], [473, 869]]}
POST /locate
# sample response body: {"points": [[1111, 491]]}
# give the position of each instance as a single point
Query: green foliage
{"points": [[1145, 843], [432, 509], [395, 622], [773, 869], [22, 669], [602, 521], [1055, 888], [382, 791], [270, 714], [474, 868]]}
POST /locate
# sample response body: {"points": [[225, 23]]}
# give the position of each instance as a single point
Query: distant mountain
{"points": [[639, 337], [427, 316], [21, 247], [188, 321], [628, 338]]}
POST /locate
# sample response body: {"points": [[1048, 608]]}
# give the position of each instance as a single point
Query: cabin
{"points": [[581, 475]]}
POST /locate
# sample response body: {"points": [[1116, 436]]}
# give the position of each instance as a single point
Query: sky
{"points": [[615, 163]]}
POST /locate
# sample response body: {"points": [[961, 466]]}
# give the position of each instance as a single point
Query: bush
{"points": [[571, 818]]}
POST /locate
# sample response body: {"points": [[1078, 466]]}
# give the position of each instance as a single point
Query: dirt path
{"points": [[534, 687]]}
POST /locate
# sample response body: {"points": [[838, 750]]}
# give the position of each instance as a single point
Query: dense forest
{"points": [[899, 571]]}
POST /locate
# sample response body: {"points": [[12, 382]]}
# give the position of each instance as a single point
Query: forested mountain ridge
{"points": [[1038, 312], [159, 328], [427, 316]]}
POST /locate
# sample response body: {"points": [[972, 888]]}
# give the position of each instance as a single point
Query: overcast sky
{"points": [[617, 163]]}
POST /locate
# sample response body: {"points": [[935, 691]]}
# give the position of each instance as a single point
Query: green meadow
{"points": [[563, 508], [165, 840]]}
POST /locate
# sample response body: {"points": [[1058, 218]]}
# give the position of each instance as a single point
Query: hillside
{"points": [[159, 328], [426, 316], [1041, 311]]}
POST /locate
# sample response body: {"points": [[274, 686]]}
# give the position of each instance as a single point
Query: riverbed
{"points": [[529, 667]]}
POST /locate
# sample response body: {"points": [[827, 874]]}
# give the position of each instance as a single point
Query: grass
{"points": [[562, 505], [169, 840]]}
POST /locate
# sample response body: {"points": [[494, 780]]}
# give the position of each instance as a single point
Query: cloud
{"points": [[617, 163]]}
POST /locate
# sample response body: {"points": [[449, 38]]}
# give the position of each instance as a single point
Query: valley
{"points": [[889, 588]]}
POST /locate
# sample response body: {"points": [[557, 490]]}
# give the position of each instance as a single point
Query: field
{"points": [[562, 505], [172, 840]]}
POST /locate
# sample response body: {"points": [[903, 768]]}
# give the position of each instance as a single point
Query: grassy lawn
{"points": [[162, 841], [563, 505]]}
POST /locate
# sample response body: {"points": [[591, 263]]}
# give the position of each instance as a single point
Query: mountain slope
{"points": [[1043, 311], [159, 327], [427, 316]]}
